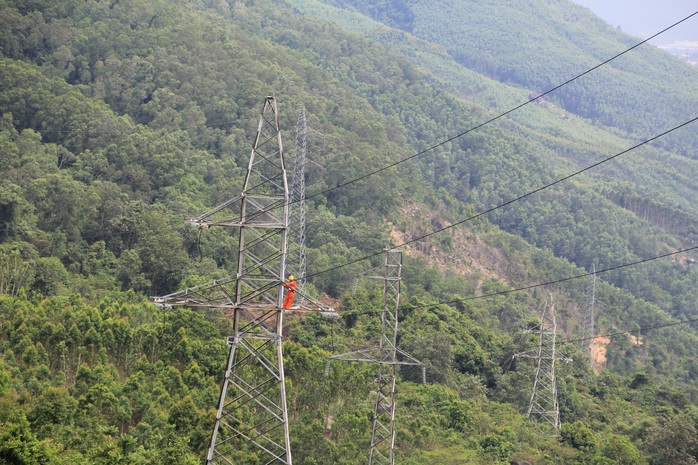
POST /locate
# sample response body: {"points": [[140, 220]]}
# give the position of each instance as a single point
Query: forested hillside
{"points": [[121, 118], [555, 144], [539, 48]]}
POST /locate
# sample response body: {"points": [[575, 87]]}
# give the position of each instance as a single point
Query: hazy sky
{"points": [[644, 18]]}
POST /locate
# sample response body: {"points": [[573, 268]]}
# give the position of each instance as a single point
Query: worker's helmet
{"points": [[291, 278]]}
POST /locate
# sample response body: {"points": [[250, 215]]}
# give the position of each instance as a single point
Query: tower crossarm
{"points": [[252, 411], [378, 355]]}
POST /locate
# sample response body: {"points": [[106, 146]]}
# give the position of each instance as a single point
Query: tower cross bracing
{"points": [[543, 406], [252, 415], [388, 357]]}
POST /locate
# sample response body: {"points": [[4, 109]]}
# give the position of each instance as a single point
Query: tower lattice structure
{"points": [[588, 331], [544, 407], [297, 207], [252, 415], [388, 357]]}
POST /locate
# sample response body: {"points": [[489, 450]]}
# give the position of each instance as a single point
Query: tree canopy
{"points": [[121, 118]]}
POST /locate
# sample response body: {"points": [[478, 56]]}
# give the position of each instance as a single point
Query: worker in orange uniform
{"points": [[290, 291]]}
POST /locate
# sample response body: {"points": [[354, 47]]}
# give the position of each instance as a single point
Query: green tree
{"points": [[620, 450], [673, 441], [50, 276], [52, 409], [18, 444]]}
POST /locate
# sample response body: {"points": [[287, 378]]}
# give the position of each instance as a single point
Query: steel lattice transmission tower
{"points": [[388, 357], [252, 414], [544, 405], [588, 331], [297, 207]]}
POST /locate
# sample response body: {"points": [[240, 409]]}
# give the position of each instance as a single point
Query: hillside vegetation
{"points": [[120, 118]]}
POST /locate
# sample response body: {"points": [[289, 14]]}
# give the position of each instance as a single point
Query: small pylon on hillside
{"points": [[388, 357], [544, 406], [588, 322]]}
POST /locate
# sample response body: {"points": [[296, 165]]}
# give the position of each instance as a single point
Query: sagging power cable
{"points": [[635, 331], [537, 285], [509, 202], [501, 115]]}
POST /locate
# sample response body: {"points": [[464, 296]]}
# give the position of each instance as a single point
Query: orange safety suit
{"points": [[290, 293]]}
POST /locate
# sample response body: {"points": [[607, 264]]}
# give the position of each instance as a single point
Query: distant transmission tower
{"points": [[544, 406], [588, 332], [386, 356], [252, 415], [297, 208]]}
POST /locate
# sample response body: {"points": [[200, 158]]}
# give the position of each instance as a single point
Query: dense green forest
{"points": [[121, 118], [539, 45]]}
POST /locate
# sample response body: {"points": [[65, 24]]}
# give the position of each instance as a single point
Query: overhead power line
{"points": [[501, 115], [562, 280], [557, 281], [639, 330], [547, 283], [643, 329], [509, 202]]}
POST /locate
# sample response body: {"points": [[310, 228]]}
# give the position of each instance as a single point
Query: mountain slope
{"points": [[122, 118], [543, 44], [490, 177]]}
